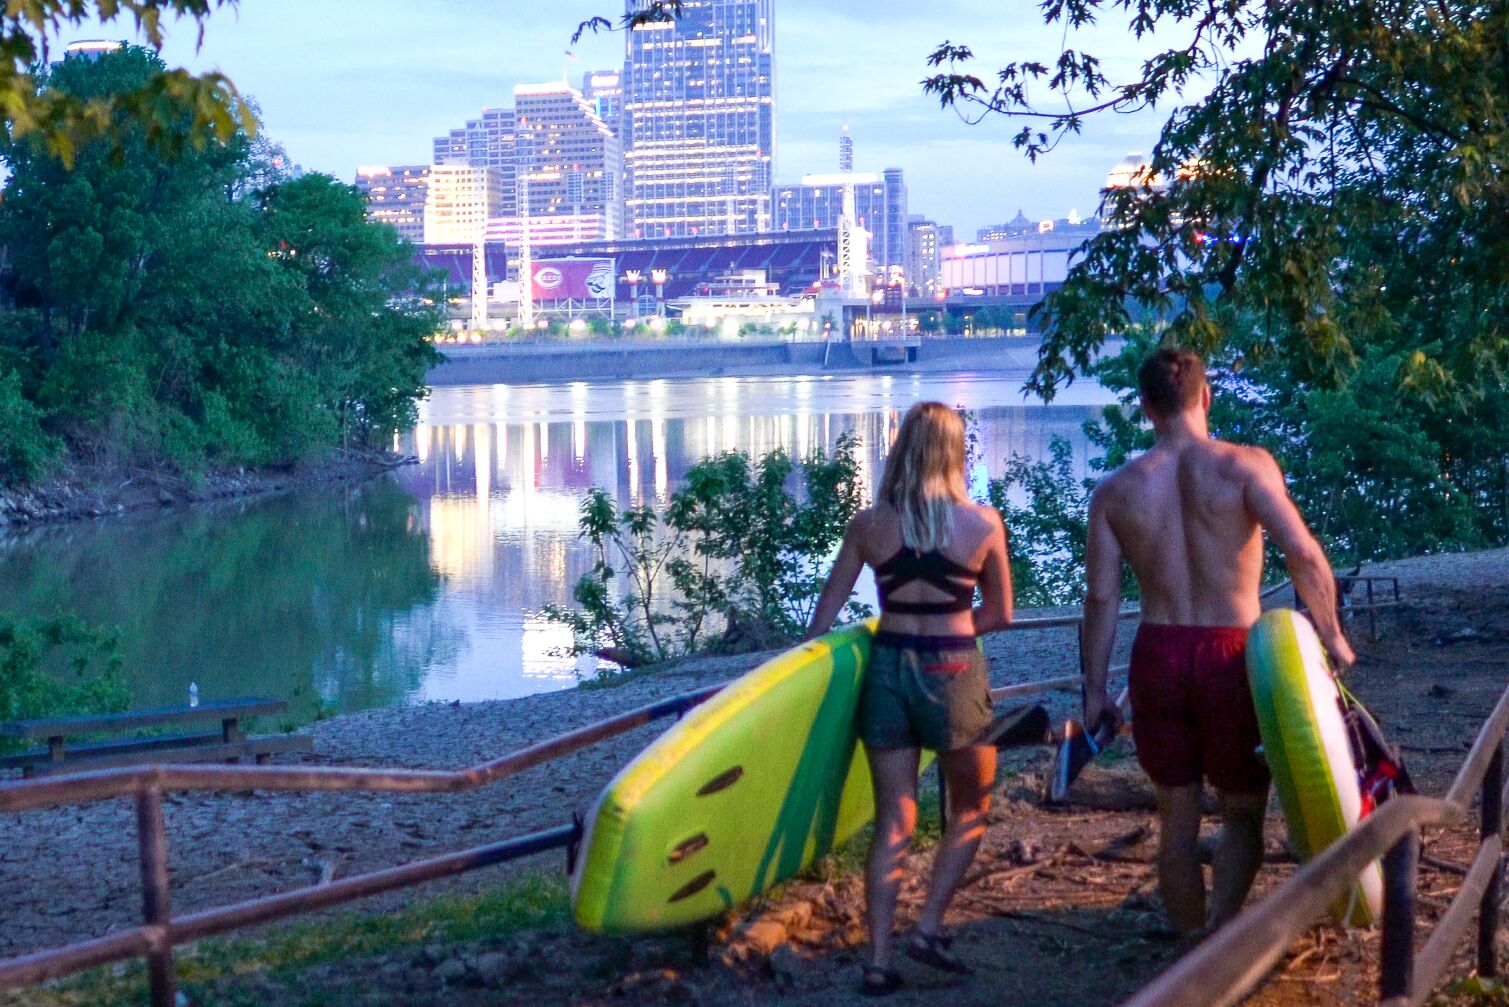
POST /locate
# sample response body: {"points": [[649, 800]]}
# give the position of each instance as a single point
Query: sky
{"points": [[343, 83]]}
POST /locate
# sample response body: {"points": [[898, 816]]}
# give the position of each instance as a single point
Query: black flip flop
{"points": [[879, 982], [932, 950]]}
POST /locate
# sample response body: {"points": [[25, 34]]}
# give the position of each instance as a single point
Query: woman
{"points": [[926, 685]]}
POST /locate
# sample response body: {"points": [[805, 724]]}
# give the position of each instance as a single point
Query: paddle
{"points": [[1079, 748]]}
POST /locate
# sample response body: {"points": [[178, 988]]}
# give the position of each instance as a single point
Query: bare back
{"points": [[975, 528], [1182, 515]]}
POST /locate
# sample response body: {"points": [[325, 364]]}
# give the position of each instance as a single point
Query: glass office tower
{"points": [[699, 130]]}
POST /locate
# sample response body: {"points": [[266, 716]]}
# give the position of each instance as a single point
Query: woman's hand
{"points": [[841, 580]]}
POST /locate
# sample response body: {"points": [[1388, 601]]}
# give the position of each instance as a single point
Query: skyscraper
{"points": [[567, 163], [604, 91], [487, 141], [699, 103], [460, 201], [396, 196]]}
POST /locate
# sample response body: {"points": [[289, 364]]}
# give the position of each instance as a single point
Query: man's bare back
{"points": [[1181, 517]]}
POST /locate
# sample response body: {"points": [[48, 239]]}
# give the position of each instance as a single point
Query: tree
{"points": [[197, 306], [64, 123], [1323, 216]]}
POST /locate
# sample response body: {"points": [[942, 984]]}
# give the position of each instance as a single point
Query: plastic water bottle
{"points": [[193, 693]]}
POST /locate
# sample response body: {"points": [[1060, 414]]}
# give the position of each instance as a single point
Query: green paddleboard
{"points": [[745, 791]]}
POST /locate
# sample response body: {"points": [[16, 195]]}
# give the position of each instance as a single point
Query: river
{"points": [[428, 585]]}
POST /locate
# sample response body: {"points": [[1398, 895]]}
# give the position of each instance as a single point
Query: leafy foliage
{"points": [[170, 109], [1340, 192], [735, 561], [56, 667], [1048, 530], [198, 308]]}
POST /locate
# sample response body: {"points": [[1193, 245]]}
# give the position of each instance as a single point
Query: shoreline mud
{"points": [[84, 493]]}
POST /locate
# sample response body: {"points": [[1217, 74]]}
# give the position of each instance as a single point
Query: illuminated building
{"points": [[879, 203], [487, 141], [567, 165], [91, 48], [699, 107], [604, 91], [1070, 226], [924, 262], [396, 196], [460, 201]]}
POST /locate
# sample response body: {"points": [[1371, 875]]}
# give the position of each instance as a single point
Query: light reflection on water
{"points": [[503, 470], [429, 585]]}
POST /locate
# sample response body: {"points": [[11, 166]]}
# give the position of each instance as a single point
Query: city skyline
{"points": [[344, 86]]}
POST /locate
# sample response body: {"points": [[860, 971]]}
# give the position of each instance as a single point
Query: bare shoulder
{"points": [[983, 515], [1249, 461], [1115, 485]]}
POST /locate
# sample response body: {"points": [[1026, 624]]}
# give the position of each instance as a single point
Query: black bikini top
{"points": [[909, 566]]}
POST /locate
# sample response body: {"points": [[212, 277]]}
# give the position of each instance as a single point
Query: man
{"points": [[1188, 516]]}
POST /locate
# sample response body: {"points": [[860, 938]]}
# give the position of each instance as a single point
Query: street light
{"points": [[876, 296]]}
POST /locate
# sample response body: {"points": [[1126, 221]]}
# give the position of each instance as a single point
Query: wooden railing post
{"points": [[152, 842], [1492, 824], [1397, 946]]}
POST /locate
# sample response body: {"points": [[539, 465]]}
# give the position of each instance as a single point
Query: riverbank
{"points": [[82, 493], [528, 363], [1060, 905]]}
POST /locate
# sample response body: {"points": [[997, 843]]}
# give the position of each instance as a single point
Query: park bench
{"points": [[230, 743]]}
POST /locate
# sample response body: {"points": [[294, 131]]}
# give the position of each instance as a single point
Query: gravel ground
{"points": [[230, 847]]}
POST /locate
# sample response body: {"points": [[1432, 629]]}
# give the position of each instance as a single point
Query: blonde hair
{"points": [[924, 475]]}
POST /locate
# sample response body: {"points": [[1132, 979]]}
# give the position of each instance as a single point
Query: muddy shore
{"points": [[84, 493]]}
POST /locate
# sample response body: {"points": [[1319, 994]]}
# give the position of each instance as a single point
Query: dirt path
{"points": [[1059, 907], [230, 847]]}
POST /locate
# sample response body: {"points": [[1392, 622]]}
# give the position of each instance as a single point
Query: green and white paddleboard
{"points": [[1305, 744], [745, 791]]}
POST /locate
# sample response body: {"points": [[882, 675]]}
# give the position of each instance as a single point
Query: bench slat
{"points": [[267, 745], [89, 749], [108, 723]]}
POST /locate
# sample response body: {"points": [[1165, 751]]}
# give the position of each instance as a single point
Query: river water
{"points": [[428, 585]]}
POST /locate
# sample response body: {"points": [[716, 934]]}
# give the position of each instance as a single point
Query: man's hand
{"points": [[1098, 705], [1340, 652]]}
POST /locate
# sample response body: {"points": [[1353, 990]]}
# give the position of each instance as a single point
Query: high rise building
{"points": [[815, 204], [461, 199], [892, 233], [604, 91], [845, 151], [487, 141], [924, 258], [879, 203], [567, 165], [396, 196], [699, 107]]}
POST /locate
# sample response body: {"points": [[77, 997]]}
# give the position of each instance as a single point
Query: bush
{"points": [[735, 562], [24, 448], [57, 667]]}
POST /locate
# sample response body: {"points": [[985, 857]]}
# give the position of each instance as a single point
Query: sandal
{"points": [[879, 982], [933, 950]]}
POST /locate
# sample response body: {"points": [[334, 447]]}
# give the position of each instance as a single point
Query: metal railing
{"points": [[160, 931], [1235, 960]]}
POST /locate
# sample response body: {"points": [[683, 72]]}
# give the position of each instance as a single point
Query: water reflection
{"points": [[429, 585], [326, 599], [503, 470]]}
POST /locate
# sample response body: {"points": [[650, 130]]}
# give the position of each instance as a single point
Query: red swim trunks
{"points": [[1192, 712]]}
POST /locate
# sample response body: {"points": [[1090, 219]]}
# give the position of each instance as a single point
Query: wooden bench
{"points": [[230, 743]]}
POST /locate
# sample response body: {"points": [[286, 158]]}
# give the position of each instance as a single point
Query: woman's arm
{"points": [[997, 605], [841, 580]]}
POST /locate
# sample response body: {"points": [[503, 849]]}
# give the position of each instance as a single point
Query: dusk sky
{"points": [[348, 82]]}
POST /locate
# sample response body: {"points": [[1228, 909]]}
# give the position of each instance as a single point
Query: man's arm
{"points": [[1268, 499], [841, 578], [1102, 604]]}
